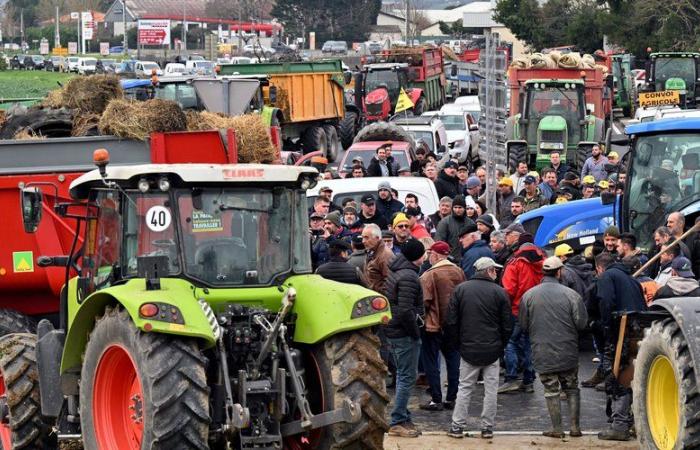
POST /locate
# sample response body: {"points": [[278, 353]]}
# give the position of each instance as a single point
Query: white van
{"points": [[200, 67]]}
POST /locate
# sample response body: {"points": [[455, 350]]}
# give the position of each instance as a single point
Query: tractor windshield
{"points": [[664, 177], [665, 68], [242, 236], [392, 80], [565, 101]]}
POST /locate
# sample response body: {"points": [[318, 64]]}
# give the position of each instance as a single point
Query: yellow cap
{"points": [[560, 200], [400, 217], [563, 250], [505, 181], [588, 179], [603, 184], [613, 155], [534, 173]]}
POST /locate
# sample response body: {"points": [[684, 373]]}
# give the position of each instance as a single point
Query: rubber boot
{"points": [[594, 380], [575, 412], [554, 407]]}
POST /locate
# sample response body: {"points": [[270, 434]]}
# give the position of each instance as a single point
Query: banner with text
{"points": [[154, 32], [88, 25]]}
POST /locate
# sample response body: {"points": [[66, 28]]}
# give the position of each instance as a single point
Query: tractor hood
{"points": [[377, 96], [552, 123]]}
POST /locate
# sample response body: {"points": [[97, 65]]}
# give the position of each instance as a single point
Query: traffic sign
{"points": [[154, 32], [662, 98]]}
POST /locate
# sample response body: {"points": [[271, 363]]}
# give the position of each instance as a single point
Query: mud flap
{"points": [[49, 350]]}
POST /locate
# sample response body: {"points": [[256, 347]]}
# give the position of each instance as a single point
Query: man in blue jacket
{"points": [[473, 248]]}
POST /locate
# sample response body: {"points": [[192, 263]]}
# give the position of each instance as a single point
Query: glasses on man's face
{"points": [[403, 225]]}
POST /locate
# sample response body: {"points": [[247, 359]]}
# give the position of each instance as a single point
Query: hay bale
{"points": [[86, 125], [91, 94], [195, 121], [3, 118], [587, 61], [137, 120], [252, 136], [540, 61], [570, 61], [555, 55], [602, 68], [25, 134], [54, 99], [520, 62]]}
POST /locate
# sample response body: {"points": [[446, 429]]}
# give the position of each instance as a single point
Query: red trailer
{"points": [[33, 290]]}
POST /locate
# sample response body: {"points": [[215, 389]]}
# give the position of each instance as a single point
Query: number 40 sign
{"points": [[158, 218]]}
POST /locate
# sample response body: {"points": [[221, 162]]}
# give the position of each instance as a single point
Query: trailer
{"points": [[307, 101]]}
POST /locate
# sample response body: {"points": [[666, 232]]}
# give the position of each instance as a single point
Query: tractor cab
{"points": [[676, 71], [553, 116], [623, 83], [382, 84]]}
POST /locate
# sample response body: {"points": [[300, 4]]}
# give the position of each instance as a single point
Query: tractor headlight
{"points": [[144, 185], [164, 184]]}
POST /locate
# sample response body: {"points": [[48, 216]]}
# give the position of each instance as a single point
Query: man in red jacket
{"points": [[523, 271]]}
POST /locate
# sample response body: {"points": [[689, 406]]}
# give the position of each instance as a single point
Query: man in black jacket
{"points": [[682, 282], [387, 205], [447, 183], [338, 269], [403, 289], [379, 166], [479, 320]]}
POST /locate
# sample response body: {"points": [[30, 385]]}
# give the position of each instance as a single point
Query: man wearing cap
{"points": [[519, 176], [473, 188], [449, 228], [523, 271], [388, 239], [338, 269], [319, 246], [595, 165], [479, 322], [418, 230], [504, 197], [512, 234], [552, 315], [387, 205], [462, 175], [682, 282], [368, 212], [473, 248], [402, 230], [447, 183], [576, 274], [531, 194], [559, 167], [358, 257], [405, 295], [613, 158], [485, 225], [379, 167], [569, 186], [444, 210], [438, 283]]}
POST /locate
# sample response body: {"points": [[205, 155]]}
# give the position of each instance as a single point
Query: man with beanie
{"points": [[334, 228], [523, 272], [402, 230], [486, 226], [610, 239], [447, 183], [473, 188], [504, 197], [338, 269], [387, 206], [473, 248], [405, 295], [479, 322], [438, 283], [553, 315], [358, 257], [449, 228]]}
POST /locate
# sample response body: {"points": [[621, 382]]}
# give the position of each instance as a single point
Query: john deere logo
{"points": [[23, 262]]}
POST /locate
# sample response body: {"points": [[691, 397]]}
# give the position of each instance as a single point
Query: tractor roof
{"points": [[385, 66], [675, 55], [556, 81], [665, 125], [194, 173]]}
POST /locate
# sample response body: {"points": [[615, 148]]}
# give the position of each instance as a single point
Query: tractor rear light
{"points": [[379, 303], [385, 319], [148, 310]]}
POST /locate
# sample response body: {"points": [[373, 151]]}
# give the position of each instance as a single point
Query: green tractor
{"points": [[190, 319], [553, 116], [625, 92], [675, 71]]}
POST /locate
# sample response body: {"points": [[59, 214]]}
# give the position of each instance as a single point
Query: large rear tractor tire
{"points": [[582, 154], [420, 106], [23, 426], [666, 399], [12, 321], [142, 390], [384, 131], [348, 129], [333, 141], [346, 366], [517, 154], [314, 139]]}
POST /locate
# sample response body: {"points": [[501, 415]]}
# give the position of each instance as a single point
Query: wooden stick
{"points": [[651, 261], [618, 348]]}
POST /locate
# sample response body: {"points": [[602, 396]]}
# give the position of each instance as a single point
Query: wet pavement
{"points": [[519, 412]]}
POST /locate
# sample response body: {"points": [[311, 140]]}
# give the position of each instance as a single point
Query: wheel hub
{"points": [[136, 409], [662, 403]]}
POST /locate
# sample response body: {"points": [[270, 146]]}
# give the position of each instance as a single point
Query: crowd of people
{"points": [[471, 286]]}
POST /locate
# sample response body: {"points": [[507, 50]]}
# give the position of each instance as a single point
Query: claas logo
{"points": [[243, 173]]}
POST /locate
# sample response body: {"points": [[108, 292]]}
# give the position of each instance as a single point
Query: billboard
{"points": [[154, 32], [88, 25], [72, 48]]}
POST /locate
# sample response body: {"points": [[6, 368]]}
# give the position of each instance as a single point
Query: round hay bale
{"points": [[555, 55], [92, 94], [602, 68], [538, 61], [570, 61], [587, 61], [137, 120], [520, 62]]}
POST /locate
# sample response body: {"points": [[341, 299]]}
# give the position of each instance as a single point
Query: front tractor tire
{"points": [[346, 367], [23, 426], [666, 401], [142, 390]]}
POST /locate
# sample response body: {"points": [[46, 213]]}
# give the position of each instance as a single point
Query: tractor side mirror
{"points": [[454, 71], [473, 127], [31, 200], [347, 77], [273, 95]]}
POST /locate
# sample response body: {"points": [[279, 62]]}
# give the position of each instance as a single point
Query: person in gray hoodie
{"points": [[682, 282]]}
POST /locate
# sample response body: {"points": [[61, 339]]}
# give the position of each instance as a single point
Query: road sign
{"points": [[60, 51], [104, 48], [88, 25], [154, 32], [72, 48], [44, 47], [662, 98]]}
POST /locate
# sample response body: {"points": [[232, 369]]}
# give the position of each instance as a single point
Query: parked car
{"points": [[55, 63], [87, 66], [116, 49], [33, 62], [199, 67], [429, 129], [356, 188], [145, 69], [71, 64], [402, 152], [258, 50], [335, 47], [174, 69], [462, 132], [242, 60], [16, 63], [106, 66]]}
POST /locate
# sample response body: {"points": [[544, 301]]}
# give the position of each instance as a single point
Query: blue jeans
{"points": [[405, 351], [432, 345], [519, 354]]}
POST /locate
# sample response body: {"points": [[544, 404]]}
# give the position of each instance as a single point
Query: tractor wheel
{"points": [[420, 106], [517, 154], [23, 426], [141, 390], [314, 139], [346, 366], [383, 131], [582, 154], [348, 129], [44, 122], [666, 401], [12, 321], [333, 145]]}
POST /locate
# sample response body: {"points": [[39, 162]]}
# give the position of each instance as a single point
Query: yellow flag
{"points": [[403, 103]]}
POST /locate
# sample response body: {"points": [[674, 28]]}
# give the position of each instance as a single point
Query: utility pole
{"points": [[57, 37], [406, 23], [21, 28], [184, 26], [125, 42]]}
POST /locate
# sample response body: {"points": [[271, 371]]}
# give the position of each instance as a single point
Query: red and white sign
{"points": [[104, 48], [72, 48], [88, 25], [154, 32]]}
